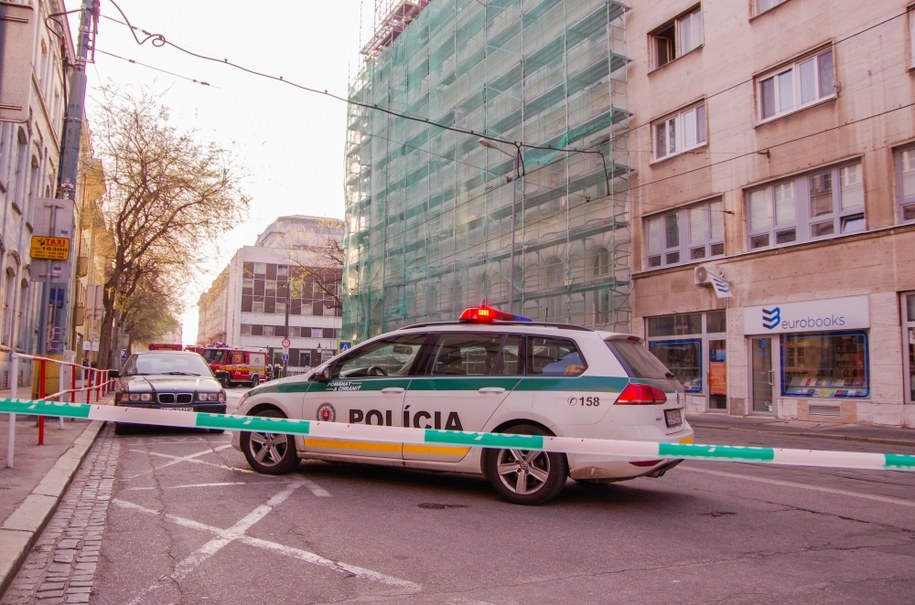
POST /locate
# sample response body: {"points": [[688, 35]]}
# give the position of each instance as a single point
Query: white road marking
{"points": [[224, 484], [225, 537], [313, 487], [178, 459], [825, 490]]}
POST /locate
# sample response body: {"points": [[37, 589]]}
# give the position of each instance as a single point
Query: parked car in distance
{"points": [[168, 380]]}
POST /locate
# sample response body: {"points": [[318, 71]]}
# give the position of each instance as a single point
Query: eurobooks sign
{"points": [[830, 315]]}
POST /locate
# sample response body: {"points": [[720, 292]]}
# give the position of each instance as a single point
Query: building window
{"points": [[676, 38], [762, 6], [683, 358], [825, 365], [821, 204], [912, 37], [680, 132], [796, 86], [909, 315], [905, 177], [685, 235], [694, 347]]}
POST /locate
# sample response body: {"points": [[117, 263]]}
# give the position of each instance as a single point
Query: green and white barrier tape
{"points": [[388, 434]]}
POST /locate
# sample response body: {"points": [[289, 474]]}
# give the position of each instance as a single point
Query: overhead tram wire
{"points": [[159, 40]]}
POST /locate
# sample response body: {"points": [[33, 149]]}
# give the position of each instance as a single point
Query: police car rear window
{"points": [[637, 359]]}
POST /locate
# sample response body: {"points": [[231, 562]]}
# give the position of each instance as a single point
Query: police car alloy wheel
{"points": [[270, 453], [526, 476]]}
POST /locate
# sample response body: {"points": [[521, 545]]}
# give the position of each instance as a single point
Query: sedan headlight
{"points": [[219, 397], [135, 397]]}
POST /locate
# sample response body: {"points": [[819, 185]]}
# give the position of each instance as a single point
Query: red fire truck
{"points": [[237, 365]]}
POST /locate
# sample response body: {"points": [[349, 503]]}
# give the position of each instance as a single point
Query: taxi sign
{"points": [[51, 248]]}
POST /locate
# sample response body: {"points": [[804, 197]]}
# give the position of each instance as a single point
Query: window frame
{"points": [[905, 203], [910, 13], [685, 249], [773, 4], [673, 44], [676, 127], [796, 70], [818, 383], [800, 226]]}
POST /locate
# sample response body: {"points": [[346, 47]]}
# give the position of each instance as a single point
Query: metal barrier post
{"points": [[42, 369], [14, 394], [90, 375]]}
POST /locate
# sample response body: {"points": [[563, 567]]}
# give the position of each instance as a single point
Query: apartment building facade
{"points": [[773, 204], [282, 294]]}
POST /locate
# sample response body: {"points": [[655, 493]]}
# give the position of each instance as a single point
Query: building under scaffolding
{"points": [[536, 217]]}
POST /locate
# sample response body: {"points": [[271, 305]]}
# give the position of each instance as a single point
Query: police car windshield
{"points": [[637, 359]]}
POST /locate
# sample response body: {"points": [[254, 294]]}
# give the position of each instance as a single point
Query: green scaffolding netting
{"points": [[435, 221]]}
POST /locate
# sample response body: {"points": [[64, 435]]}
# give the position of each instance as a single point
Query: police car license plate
{"points": [[673, 417]]}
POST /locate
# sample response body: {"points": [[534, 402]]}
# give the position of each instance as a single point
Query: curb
{"points": [[901, 442], [22, 528]]}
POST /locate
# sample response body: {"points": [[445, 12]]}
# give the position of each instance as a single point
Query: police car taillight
{"points": [[485, 314], [641, 394]]}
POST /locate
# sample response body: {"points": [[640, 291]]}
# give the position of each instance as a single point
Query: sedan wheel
{"points": [[270, 453], [526, 476]]}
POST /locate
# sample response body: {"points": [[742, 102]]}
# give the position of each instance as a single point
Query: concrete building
{"points": [[37, 57], [281, 293], [773, 204], [751, 211]]}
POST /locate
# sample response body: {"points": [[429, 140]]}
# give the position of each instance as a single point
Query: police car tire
{"points": [[288, 459], [555, 464]]}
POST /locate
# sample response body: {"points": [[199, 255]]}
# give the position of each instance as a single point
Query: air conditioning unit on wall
{"points": [[702, 276]]}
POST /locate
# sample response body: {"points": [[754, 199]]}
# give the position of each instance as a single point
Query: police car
{"points": [[492, 372]]}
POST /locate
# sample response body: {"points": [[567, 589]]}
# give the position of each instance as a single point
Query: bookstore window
{"points": [[694, 347], [830, 365]]}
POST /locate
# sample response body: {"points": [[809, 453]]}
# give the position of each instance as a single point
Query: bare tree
{"points": [[168, 199]]}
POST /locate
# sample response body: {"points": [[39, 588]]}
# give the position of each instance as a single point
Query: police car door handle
{"points": [[394, 390], [491, 390]]}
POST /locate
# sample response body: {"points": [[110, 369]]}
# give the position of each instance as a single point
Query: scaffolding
{"points": [[435, 220]]}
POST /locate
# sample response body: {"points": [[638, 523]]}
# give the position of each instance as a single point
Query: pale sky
{"points": [[290, 141]]}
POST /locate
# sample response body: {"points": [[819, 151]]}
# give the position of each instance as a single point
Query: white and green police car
{"points": [[488, 372]]}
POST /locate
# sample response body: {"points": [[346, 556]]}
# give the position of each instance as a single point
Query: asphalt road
{"points": [[186, 521]]}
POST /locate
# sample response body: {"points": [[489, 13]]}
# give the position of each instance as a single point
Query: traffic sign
{"points": [[344, 345], [51, 248], [286, 343]]}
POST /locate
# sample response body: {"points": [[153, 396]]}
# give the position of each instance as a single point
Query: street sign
{"points": [[285, 357], [286, 343], [52, 248], [344, 345]]}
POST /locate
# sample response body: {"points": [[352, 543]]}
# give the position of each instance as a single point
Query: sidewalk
{"points": [[30, 491], [889, 436]]}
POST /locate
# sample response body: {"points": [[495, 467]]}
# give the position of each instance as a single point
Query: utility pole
{"points": [[56, 337]]}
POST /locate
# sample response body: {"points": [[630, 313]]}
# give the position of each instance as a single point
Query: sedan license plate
{"points": [[673, 417], [181, 409]]}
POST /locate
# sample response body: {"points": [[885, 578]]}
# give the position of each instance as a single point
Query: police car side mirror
{"points": [[322, 374]]}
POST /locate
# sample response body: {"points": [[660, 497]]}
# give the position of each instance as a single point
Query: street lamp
{"points": [[516, 169]]}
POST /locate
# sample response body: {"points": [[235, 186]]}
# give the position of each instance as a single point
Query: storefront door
{"points": [[764, 374]]}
